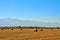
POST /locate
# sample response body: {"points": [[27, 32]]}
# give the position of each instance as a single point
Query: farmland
{"points": [[29, 34]]}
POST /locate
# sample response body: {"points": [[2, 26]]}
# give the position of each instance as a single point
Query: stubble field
{"points": [[29, 34]]}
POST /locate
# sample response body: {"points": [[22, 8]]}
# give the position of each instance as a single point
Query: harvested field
{"points": [[29, 34]]}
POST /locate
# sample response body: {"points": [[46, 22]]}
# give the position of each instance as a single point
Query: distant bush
{"points": [[58, 28], [19, 26]]}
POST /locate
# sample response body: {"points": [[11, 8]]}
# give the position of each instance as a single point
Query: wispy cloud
{"points": [[38, 20], [34, 19]]}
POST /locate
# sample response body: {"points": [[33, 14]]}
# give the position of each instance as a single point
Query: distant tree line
{"points": [[29, 27]]}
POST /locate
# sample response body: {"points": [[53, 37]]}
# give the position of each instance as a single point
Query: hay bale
{"points": [[21, 29], [36, 30], [2, 28], [41, 29], [12, 29]]}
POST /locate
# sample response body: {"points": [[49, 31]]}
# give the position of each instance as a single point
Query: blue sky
{"points": [[38, 10]]}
